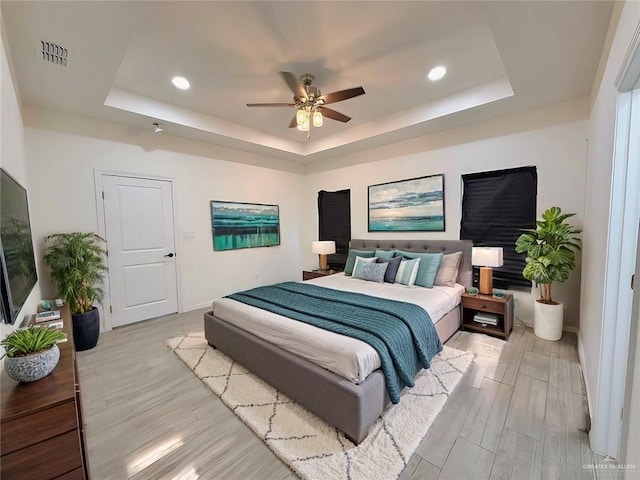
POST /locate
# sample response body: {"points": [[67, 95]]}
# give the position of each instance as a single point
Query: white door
{"points": [[141, 248]]}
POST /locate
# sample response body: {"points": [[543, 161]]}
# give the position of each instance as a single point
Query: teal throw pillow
{"points": [[429, 263], [351, 259], [385, 253]]}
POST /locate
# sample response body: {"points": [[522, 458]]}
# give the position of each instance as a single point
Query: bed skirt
{"points": [[349, 407]]}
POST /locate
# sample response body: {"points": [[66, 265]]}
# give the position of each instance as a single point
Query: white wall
{"points": [[12, 158], [558, 151], [601, 129], [61, 166]]}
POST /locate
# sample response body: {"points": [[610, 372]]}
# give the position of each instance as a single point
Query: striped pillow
{"points": [[407, 272], [429, 263]]}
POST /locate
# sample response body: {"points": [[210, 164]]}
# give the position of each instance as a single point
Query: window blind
{"points": [[334, 223], [496, 207]]}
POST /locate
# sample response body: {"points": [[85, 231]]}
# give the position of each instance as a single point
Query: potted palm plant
{"points": [[550, 257], [31, 353], [77, 264]]}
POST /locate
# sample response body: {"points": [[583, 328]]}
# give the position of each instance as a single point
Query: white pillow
{"points": [[360, 261], [407, 272], [448, 270]]}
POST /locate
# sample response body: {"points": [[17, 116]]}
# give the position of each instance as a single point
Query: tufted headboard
{"points": [[465, 273]]}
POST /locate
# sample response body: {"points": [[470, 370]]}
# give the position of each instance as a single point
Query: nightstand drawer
{"points": [[484, 305], [310, 274]]}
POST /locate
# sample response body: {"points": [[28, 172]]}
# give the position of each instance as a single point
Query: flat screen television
{"points": [[16, 247]]}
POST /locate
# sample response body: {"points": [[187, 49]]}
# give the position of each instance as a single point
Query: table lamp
{"points": [[324, 248], [486, 258]]}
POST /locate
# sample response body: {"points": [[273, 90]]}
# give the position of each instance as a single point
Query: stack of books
{"points": [[485, 319], [50, 319]]}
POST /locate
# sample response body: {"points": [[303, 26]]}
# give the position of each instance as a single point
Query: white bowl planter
{"points": [[547, 320], [32, 367]]}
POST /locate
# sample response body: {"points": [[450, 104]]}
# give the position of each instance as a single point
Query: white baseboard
{"points": [[565, 328], [198, 306]]}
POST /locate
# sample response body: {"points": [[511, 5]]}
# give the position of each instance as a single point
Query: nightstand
{"points": [[502, 307], [309, 274]]}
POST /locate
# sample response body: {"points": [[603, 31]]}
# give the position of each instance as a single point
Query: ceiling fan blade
{"points": [[294, 122], [342, 95], [332, 114], [294, 84], [271, 104]]}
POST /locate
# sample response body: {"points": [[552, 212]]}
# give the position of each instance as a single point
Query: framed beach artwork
{"points": [[413, 205], [244, 225]]}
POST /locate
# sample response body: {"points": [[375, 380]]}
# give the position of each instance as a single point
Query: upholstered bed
{"points": [[350, 407]]}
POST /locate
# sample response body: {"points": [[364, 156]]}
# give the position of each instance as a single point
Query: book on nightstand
{"points": [[485, 318]]}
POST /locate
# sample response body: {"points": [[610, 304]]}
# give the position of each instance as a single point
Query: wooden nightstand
{"points": [[502, 307], [309, 274]]}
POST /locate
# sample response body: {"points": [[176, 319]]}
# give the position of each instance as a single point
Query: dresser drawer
{"points": [[483, 305], [77, 474], [34, 428], [45, 460]]}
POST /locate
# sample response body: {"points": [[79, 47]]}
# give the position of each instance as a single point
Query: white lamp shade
{"points": [[487, 256], [325, 247]]}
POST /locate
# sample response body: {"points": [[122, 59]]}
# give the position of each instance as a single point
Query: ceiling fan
{"points": [[310, 103]]}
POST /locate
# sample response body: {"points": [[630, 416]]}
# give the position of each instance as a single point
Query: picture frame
{"points": [[237, 225], [411, 205]]}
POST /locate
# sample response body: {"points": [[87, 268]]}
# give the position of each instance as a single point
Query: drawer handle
{"points": [[483, 306]]}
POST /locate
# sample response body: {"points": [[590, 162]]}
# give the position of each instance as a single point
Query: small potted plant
{"points": [[31, 353], [77, 264], [550, 257]]}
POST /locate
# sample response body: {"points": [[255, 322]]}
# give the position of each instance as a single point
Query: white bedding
{"points": [[348, 357]]}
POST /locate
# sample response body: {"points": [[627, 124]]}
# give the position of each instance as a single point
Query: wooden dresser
{"points": [[42, 432]]}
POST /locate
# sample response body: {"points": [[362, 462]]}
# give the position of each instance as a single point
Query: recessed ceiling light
{"points": [[181, 83], [437, 73]]}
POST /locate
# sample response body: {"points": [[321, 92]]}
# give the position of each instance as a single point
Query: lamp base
{"points": [[323, 262], [486, 280]]}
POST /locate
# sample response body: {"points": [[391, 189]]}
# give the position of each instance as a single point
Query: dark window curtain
{"points": [[496, 207], [334, 223]]}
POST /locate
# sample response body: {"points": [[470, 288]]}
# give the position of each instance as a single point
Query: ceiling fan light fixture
{"points": [[180, 83], [301, 114], [317, 119], [436, 73], [305, 124]]}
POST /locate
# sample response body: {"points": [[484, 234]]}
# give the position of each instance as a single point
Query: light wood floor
{"points": [[519, 413]]}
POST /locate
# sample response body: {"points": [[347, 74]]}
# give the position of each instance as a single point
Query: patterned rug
{"points": [[311, 447]]}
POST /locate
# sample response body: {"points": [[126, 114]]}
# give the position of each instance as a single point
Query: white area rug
{"points": [[310, 446]]}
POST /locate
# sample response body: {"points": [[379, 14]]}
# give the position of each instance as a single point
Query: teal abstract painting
{"points": [[413, 205], [244, 225]]}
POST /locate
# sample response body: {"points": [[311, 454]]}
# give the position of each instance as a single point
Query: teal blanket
{"points": [[402, 333]]}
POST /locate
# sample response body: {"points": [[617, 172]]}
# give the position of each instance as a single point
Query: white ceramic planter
{"points": [[547, 321], [32, 367]]}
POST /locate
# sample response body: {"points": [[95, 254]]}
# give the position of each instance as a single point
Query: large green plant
{"points": [[33, 339], [77, 264], [550, 251]]}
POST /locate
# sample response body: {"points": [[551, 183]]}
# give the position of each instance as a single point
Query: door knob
{"points": [[170, 255]]}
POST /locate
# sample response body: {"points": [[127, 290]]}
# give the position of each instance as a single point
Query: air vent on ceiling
{"points": [[53, 53]]}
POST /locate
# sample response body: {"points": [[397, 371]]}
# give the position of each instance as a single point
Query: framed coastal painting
{"points": [[413, 205], [244, 225]]}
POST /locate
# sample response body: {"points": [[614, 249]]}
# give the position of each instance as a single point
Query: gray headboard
{"points": [[465, 273]]}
